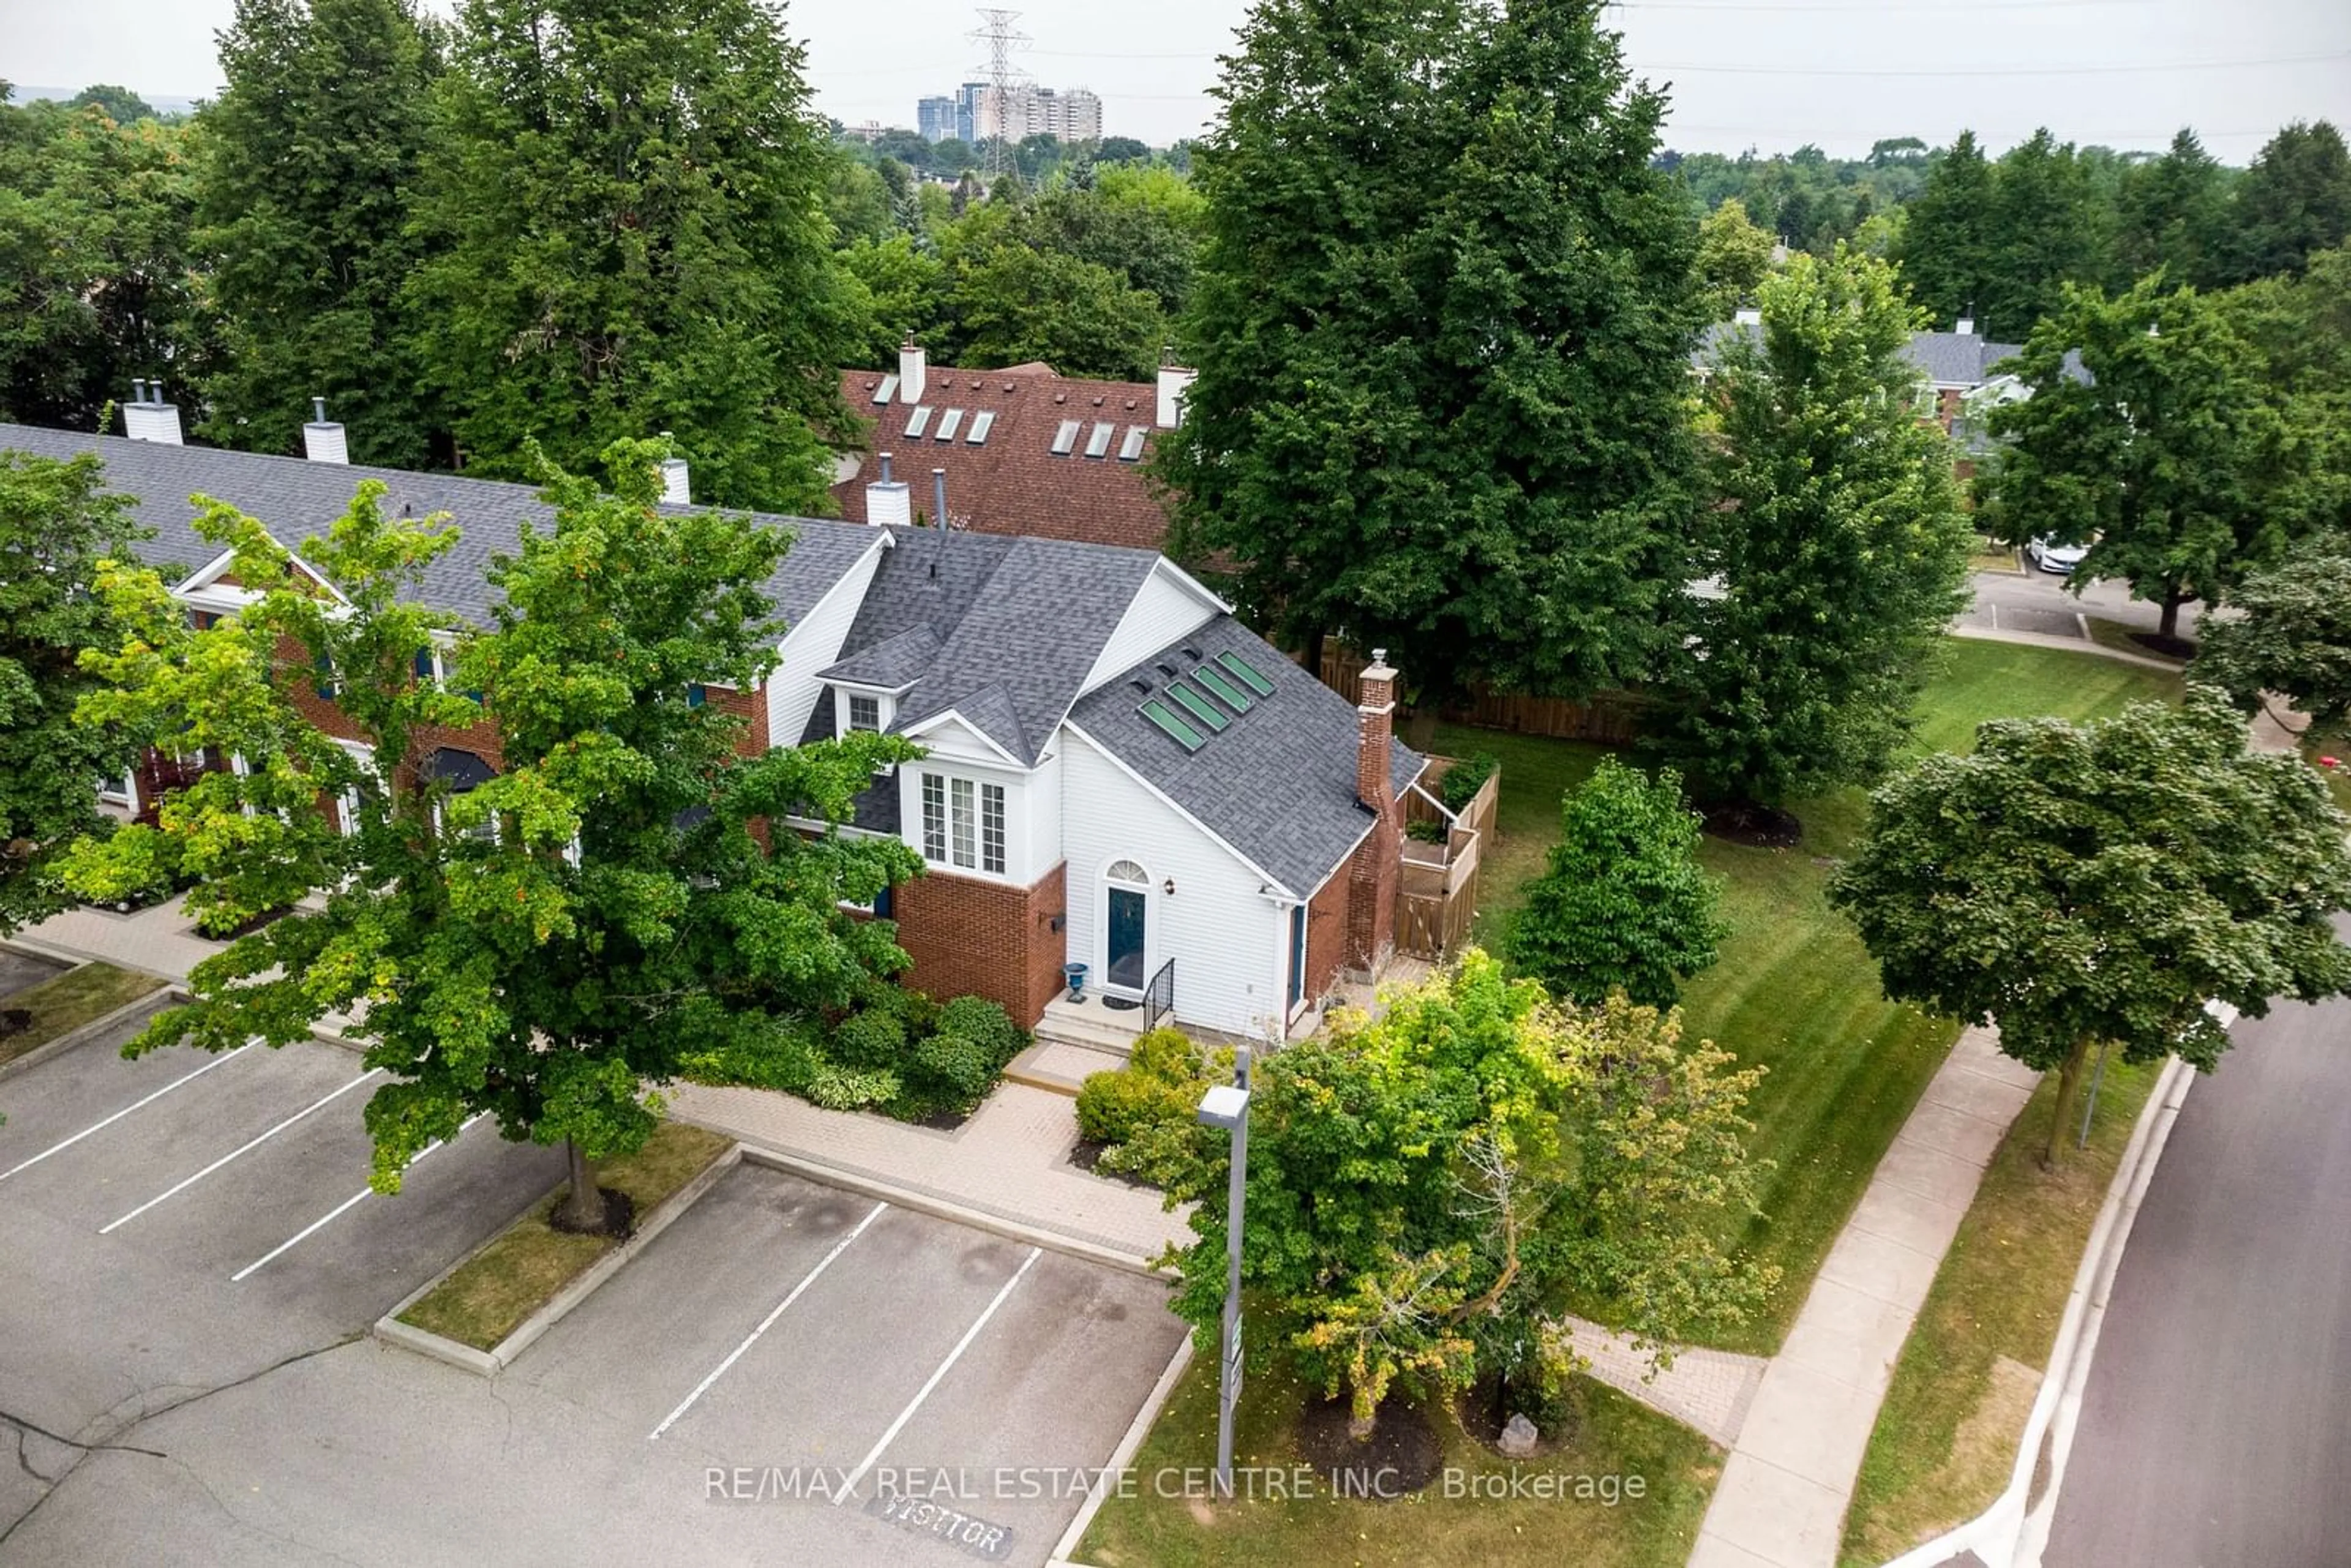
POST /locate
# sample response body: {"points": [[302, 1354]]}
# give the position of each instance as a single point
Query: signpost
{"points": [[1227, 1106]]}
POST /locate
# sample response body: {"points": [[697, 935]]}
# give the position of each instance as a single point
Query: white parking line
{"points": [[233, 1154], [923, 1393], [331, 1215], [86, 1132], [767, 1323]]}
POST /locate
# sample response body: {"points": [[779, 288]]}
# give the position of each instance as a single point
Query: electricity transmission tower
{"points": [[1001, 39]]}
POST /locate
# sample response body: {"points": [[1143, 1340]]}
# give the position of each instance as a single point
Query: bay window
{"points": [[963, 823]]}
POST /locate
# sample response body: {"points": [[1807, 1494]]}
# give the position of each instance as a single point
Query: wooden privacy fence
{"points": [[1612, 718], [1436, 897]]}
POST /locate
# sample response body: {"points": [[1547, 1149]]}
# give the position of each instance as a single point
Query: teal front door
{"points": [[1122, 963]]}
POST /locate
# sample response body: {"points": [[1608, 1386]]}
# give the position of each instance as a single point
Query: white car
{"points": [[2055, 558]]}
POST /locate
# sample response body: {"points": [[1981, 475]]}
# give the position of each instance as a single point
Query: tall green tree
{"points": [[118, 104], [1426, 1190], [2167, 459], [1623, 904], [2291, 634], [1734, 252], [2049, 229], [545, 946], [2300, 324], [97, 279], [56, 523], [311, 157], [625, 234], [2295, 199], [2173, 215], [1949, 245], [1012, 303], [1834, 547], [1441, 322], [2101, 884]]}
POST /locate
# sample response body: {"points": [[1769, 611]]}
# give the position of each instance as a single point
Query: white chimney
{"points": [[1174, 381], [322, 440], [673, 473], [914, 371], [887, 503], [1967, 326], [147, 417], [1746, 316]]}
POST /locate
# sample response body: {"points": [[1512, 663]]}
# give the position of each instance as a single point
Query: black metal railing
{"points": [[1159, 997]]}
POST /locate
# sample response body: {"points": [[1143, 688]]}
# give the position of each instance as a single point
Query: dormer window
{"points": [[853, 711], [865, 714]]}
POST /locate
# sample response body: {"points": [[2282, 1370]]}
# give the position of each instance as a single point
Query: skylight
{"points": [[1198, 706], [886, 390], [1131, 448], [1233, 697], [1098, 444], [981, 423], [948, 424], [1169, 724], [1065, 438], [1247, 674], [917, 421]]}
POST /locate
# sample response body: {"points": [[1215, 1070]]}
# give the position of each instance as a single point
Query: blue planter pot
{"points": [[1075, 974]]}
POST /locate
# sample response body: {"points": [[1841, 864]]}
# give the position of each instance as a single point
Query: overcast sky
{"points": [[1773, 74]]}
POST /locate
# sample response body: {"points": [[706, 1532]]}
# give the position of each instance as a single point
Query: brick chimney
{"points": [[322, 438], [1378, 863], [914, 371]]}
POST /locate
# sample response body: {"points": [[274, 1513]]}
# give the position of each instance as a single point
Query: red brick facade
{"points": [[1326, 935], [969, 937]]}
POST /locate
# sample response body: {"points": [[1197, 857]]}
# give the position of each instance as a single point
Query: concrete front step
{"points": [[1059, 1066], [1089, 1023]]}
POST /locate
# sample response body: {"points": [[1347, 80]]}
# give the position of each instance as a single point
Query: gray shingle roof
{"points": [[891, 664], [1279, 783], [1019, 623], [296, 499]]}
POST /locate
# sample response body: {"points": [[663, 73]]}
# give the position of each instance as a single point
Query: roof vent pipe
{"points": [[938, 497], [323, 439], [888, 503]]}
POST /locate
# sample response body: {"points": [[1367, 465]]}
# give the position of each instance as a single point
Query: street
{"points": [[2218, 1410], [2040, 602]]}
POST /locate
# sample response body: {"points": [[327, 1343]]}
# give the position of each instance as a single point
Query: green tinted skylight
{"points": [[1246, 672], [1235, 698], [1198, 706], [1175, 728]]}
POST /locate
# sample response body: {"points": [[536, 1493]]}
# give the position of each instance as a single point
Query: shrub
{"points": [[784, 1058], [871, 1041], [836, 1088], [1114, 1106], [963, 1068], [1466, 778], [1170, 1056], [1427, 829], [917, 1011], [985, 1025]]}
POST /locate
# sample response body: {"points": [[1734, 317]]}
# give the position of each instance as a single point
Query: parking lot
{"points": [[790, 1372]]}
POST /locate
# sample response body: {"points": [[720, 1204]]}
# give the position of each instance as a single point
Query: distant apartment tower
{"points": [[936, 118], [1074, 115]]}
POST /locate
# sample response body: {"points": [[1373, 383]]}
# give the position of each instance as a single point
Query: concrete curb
{"points": [[161, 997], [948, 1210], [1121, 1457], [490, 1362], [2000, 1536]]}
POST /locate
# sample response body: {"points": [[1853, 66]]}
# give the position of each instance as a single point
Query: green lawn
{"points": [[1794, 989], [490, 1295], [71, 1000], [1947, 1435], [1616, 1439]]}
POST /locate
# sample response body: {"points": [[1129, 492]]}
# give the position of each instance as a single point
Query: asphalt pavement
{"points": [[2216, 1424], [2044, 603]]}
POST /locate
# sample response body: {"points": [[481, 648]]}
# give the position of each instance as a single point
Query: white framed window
{"points": [[934, 819], [864, 712], [119, 792], [963, 824]]}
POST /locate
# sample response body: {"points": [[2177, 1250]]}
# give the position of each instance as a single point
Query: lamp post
{"points": [[1227, 1106]]}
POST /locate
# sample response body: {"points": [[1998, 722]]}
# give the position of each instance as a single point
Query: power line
{"points": [[1648, 66], [1001, 39]]}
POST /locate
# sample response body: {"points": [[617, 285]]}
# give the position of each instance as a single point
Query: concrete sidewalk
{"points": [[1783, 1497]]}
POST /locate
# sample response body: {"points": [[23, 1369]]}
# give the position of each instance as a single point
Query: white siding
{"points": [[1032, 805], [1225, 937], [813, 644], [1165, 609]]}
